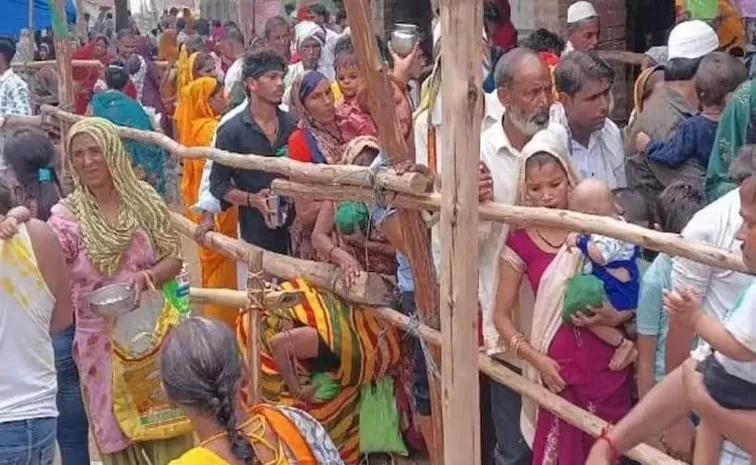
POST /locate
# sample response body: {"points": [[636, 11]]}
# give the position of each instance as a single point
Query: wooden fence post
{"points": [[256, 293], [461, 25], [397, 149]]}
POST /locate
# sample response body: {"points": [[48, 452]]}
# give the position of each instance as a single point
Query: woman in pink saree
{"points": [[567, 359]]}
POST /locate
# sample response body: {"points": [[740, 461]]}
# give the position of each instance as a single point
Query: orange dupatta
{"points": [[196, 124]]}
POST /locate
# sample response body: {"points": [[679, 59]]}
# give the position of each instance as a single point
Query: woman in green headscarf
{"points": [[734, 132]]}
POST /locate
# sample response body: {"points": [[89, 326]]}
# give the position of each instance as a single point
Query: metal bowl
{"points": [[112, 301], [403, 39]]}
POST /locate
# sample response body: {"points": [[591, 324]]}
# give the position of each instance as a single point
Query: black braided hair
{"points": [[225, 414], [201, 369]]}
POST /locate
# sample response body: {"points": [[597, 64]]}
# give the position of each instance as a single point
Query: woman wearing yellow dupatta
{"points": [[200, 105], [567, 359], [201, 370]]}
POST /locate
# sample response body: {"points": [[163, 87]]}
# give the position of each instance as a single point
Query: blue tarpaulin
{"points": [[14, 15]]}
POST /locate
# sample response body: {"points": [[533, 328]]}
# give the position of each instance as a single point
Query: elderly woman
{"points": [[148, 160], [202, 369], [309, 41], [113, 228], [567, 359]]}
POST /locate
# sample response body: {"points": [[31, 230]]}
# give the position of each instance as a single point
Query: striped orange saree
{"points": [[367, 350]]}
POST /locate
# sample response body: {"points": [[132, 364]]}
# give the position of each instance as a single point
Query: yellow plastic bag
{"points": [[139, 401]]}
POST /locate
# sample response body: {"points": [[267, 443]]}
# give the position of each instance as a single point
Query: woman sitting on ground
{"points": [[201, 369], [148, 160], [324, 338]]}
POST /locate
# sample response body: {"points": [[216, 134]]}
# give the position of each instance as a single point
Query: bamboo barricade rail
{"points": [[570, 413], [621, 56], [671, 244], [411, 183], [75, 63], [367, 289], [233, 299], [574, 415], [663, 242]]}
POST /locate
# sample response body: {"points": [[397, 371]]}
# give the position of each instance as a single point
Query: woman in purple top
{"points": [[567, 359]]}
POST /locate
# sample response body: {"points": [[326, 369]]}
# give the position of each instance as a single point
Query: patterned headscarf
{"points": [[324, 141], [139, 206], [184, 69], [194, 103]]}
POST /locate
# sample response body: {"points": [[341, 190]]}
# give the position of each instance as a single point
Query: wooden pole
{"points": [[62, 45], [346, 174], [461, 29], [367, 288], [77, 63], [31, 17], [416, 241], [256, 292]]}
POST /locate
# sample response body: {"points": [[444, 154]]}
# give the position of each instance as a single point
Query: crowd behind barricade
{"points": [[663, 348]]}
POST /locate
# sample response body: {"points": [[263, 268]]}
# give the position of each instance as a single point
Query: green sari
{"points": [[731, 136], [148, 160]]}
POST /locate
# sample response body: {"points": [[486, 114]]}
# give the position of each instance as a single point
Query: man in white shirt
{"points": [[683, 388], [584, 82], [583, 27], [719, 289], [524, 88], [14, 92], [232, 45], [319, 15]]}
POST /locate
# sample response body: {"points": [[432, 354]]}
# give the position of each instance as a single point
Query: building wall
{"points": [[552, 15]]}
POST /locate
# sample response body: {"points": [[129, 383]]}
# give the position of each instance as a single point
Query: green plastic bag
{"points": [[583, 290], [379, 420], [351, 216], [326, 388]]}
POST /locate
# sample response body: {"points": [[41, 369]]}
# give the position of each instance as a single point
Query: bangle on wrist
{"points": [[249, 199], [515, 343]]}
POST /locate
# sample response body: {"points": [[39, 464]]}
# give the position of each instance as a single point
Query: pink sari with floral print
{"points": [[91, 346]]}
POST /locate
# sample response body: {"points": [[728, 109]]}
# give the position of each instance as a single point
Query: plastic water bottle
{"points": [[177, 290]]}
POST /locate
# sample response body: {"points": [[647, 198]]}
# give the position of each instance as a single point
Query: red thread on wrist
{"points": [[612, 444]]}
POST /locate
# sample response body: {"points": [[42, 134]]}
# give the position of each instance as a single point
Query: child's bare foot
{"points": [[623, 355]]}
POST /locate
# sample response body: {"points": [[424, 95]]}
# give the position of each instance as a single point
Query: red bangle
{"points": [[612, 444]]}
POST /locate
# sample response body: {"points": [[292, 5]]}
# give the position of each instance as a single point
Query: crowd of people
{"points": [[661, 347]]}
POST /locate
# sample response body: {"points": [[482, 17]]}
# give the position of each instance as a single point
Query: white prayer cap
{"points": [[691, 40], [579, 11]]}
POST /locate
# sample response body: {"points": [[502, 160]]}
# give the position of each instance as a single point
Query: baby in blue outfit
{"points": [[613, 262]]}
